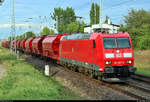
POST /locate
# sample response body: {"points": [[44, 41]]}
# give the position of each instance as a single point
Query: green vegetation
{"points": [[76, 27], [47, 31], [137, 23], [23, 82], [67, 21], [63, 17], [25, 35], [94, 14], [142, 62]]}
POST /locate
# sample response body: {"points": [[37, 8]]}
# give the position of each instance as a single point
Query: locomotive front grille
{"points": [[117, 71], [121, 71]]}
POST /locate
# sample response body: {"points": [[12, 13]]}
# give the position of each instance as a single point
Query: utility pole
{"points": [[13, 31], [100, 16]]}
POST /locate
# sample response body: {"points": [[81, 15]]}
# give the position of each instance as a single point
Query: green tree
{"points": [[46, 31], [81, 29], [92, 14], [30, 34], [97, 13], [63, 17], [73, 27], [52, 31], [137, 23], [76, 27]]}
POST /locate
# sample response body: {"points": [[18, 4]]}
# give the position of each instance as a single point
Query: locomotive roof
{"points": [[93, 36], [76, 36]]}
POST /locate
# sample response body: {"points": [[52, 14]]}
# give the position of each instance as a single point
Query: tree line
{"points": [[67, 21], [137, 23]]}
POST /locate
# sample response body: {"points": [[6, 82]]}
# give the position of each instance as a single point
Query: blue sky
{"points": [[39, 11]]}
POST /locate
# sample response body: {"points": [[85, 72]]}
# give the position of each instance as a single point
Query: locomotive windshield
{"points": [[121, 42], [109, 43]]}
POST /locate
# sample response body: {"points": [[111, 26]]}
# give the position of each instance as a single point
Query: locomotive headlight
{"points": [[108, 62], [129, 62]]}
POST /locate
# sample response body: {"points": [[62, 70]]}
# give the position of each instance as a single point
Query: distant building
{"points": [[108, 27]]}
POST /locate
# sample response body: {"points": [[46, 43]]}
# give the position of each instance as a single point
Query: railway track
{"points": [[141, 78], [114, 87], [140, 82], [134, 85]]}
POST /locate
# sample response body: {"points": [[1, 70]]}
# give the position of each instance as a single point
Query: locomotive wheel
{"points": [[99, 77]]}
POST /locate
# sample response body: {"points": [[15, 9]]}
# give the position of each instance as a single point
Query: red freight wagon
{"points": [[22, 44], [109, 56], [37, 45], [18, 44], [4, 44], [28, 45], [50, 46]]}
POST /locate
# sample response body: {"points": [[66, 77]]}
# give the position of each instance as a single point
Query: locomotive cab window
{"points": [[118, 42], [109, 43], [123, 43]]}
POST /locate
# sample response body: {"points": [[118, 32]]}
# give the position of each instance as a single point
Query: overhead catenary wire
{"points": [[119, 4]]}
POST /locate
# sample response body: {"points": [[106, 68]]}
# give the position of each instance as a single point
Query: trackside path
{"points": [[2, 71]]}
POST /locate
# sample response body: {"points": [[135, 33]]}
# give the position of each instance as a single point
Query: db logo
{"points": [[118, 55]]}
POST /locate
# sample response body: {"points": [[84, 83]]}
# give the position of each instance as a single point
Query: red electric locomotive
{"points": [[105, 56]]}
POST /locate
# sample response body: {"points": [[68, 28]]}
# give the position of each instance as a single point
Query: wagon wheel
{"points": [[76, 69], [86, 72], [92, 75]]}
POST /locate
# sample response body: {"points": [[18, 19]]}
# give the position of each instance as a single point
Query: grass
{"points": [[142, 62], [23, 82]]}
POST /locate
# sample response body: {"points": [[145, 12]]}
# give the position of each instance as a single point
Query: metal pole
{"points": [[10, 45], [13, 31], [100, 16]]}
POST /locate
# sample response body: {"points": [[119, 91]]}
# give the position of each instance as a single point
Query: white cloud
{"points": [[23, 25]]}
